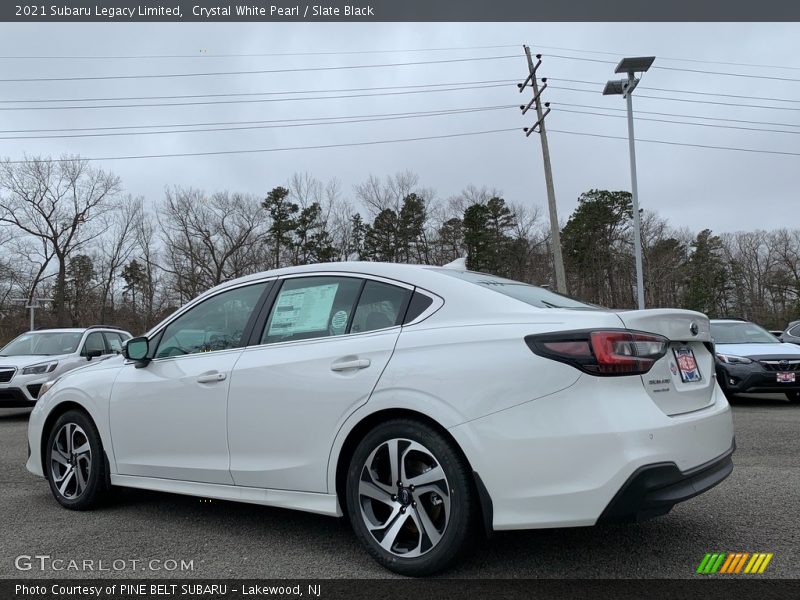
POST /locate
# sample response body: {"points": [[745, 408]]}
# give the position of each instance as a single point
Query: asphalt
{"points": [[755, 510]]}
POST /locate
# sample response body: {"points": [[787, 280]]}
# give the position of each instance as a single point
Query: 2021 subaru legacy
{"points": [[425, 404]]}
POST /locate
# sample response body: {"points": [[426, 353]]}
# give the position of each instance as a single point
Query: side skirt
{"points": [[323, 504]]}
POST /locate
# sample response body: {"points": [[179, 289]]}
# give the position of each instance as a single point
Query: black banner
{"points": [[400, 10], [429, 589]]}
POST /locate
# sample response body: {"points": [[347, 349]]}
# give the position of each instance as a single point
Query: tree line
{"points": [[70, 234]]}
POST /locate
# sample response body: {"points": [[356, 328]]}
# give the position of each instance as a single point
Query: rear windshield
{"points": [[741, 332], [530, 294]]}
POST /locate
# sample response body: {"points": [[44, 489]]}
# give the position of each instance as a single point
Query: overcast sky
{"points": [[694, 187]]}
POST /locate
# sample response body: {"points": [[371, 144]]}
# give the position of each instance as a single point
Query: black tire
{"points": [[793, 397], [91, 470], [456, 514]]}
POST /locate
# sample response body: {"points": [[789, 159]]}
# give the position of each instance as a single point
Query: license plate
{"points": [[785, 377], [687, 365]]}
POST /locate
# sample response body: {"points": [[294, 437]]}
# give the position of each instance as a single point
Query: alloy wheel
{"points": [[404, 497], [71, 460]]}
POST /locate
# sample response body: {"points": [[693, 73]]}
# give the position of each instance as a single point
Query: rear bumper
{"points": [[560, 460], [652, 490]]}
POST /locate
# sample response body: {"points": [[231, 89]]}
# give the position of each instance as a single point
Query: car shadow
{"points": [[761, 401], [11, 415]]}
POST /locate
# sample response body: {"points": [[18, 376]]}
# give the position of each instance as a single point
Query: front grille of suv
{"points": [[781, 365], [6, 373]]}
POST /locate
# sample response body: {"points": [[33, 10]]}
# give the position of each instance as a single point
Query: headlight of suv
{"points": [[47, 367], [729, 359]]}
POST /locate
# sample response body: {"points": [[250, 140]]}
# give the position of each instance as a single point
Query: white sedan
{"points": [[425, 404]]}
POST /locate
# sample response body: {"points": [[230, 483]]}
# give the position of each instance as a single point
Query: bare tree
{"points": [[56, 202], [208, 240], [115, 248]]}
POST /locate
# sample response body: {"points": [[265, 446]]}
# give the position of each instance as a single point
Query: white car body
{"points": [[552, 446], [19, 389]]}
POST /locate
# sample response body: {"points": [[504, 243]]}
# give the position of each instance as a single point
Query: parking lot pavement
{"points": [[755, 510]]}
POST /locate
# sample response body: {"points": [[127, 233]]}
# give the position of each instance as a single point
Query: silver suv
{"points": [[35, 357], [792, 333]]}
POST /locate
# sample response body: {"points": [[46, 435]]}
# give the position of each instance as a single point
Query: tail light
{"points": [[605, 352]]}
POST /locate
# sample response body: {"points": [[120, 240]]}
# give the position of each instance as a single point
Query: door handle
{"points": [[211, 377], [360, 363]]}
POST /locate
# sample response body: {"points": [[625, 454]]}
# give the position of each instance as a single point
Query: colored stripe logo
{"points": [[734, 563]]}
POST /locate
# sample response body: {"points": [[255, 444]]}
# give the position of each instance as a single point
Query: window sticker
{"points": [[339, 323], [303, 310]]}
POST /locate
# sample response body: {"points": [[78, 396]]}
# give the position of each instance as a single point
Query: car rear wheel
{"points": [[793, 397], [410, 498], [75, 462]]}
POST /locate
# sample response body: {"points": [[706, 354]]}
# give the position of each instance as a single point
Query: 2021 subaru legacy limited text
{"points": [[423, 403]]}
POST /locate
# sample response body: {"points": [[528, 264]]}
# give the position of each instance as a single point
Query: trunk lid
{"points": [[683, 380]]}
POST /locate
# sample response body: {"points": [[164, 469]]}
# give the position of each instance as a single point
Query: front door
{"points": [[168, 419]]}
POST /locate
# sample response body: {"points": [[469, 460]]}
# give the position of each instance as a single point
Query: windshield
{"points": [[741, 332], [44, 343], [530, 294]]}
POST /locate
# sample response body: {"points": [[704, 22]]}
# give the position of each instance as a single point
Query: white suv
{"points": [[36, 357]]}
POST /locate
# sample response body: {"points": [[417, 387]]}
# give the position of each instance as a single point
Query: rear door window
{"points": [[312, 307], [381, 305]]}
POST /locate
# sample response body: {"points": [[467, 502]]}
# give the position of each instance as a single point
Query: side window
{"points": [[215, 324], [795, 331], [418, 305], [94, 342], [113, 342], [381, 305], [311, 307]]}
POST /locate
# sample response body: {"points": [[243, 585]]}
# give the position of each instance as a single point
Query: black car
{"points": [[749, 359]]}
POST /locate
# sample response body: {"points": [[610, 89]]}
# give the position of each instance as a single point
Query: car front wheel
{"points": [[410, 498], [75, 463]]}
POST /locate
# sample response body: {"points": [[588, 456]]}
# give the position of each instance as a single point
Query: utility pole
{"points": [[32, 304], [555, 232]]}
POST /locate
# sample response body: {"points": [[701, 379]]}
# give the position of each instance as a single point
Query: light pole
{"points": [[625, 87], [32, 304]]}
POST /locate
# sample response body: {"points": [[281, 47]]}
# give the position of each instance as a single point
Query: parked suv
{"points": [[792, 333], [35, 357], [749, 359]]}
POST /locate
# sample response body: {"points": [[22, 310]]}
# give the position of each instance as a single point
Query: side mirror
{"points": [[90, 354], [136, 349]]}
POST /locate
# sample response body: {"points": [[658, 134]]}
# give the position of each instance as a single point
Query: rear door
{"points": [[321, 348], [684, 379]]}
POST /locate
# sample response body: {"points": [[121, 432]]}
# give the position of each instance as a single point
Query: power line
{"points": [[256, 72], [286, 149], [717, 103], [232, 94], [657, 89], [680, 122], [686, 144], [277, 124], [203, 55], [666, 114], [673, 59], [402, 140], [682, 69], [259, 122], [250, 101]]}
